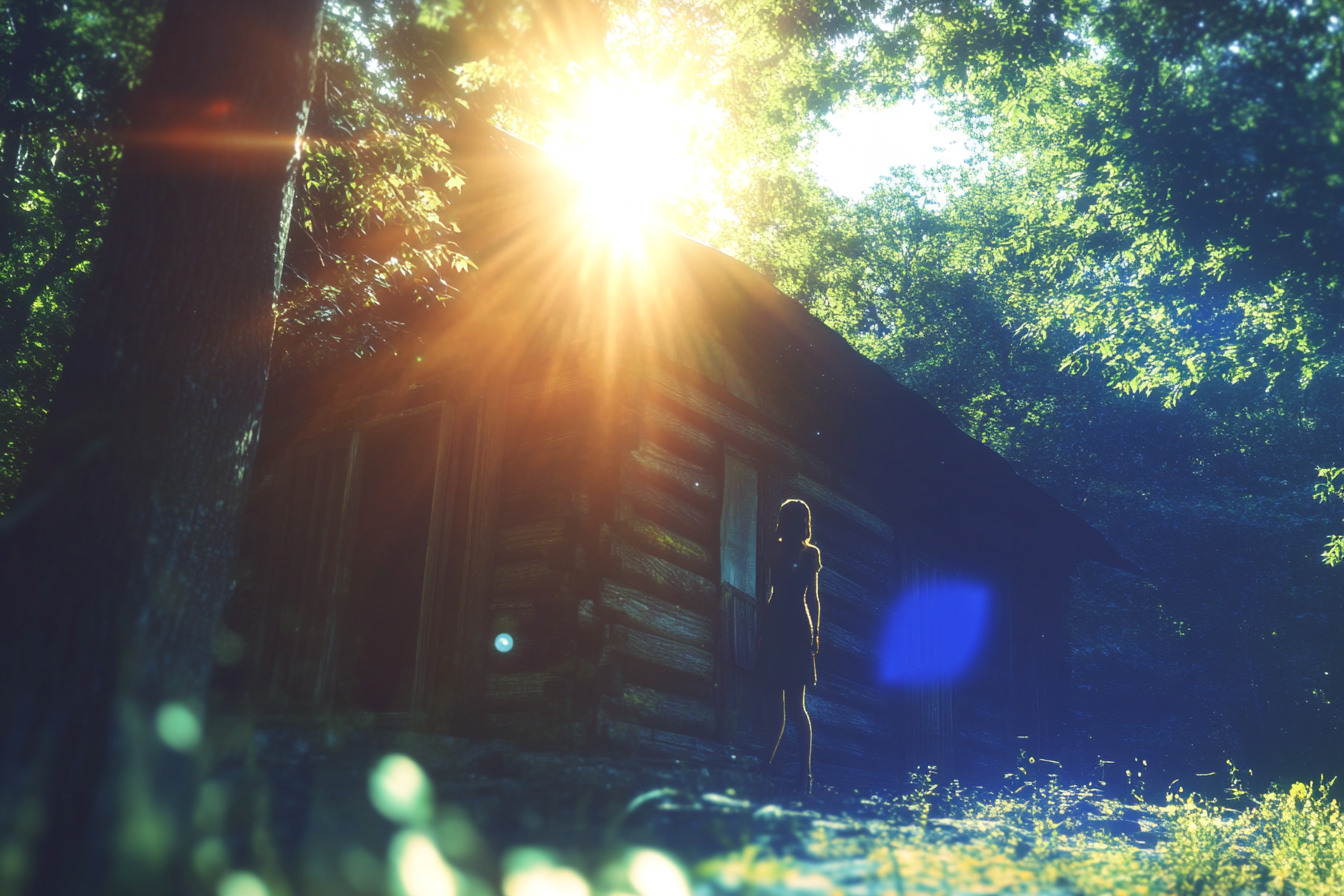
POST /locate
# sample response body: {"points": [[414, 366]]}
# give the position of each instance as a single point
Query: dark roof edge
{"points": [[1091, 544], [1088, 542]]}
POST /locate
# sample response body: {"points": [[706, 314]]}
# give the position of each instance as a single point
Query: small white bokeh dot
{"points": [[503, 642]]}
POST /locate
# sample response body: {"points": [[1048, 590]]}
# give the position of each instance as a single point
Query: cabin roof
{"points": [[881, 434]]}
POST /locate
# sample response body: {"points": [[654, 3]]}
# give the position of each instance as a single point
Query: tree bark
{"points": [[117, 557]]}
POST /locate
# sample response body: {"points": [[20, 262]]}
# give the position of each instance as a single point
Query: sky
{"points": [[866, 142]]}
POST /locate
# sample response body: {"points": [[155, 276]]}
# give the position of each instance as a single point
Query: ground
{"points": [[420, 816]]}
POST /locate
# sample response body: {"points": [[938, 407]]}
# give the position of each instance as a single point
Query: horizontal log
{"points": [[844, 653], [666, 507], [839, 588], [845, 719], [661, 744], [533, 536], [551, 386], [669, 712], [870, 567], [527, 575], [543, 503], [528, 472], [845, 642], [814, 492], [661, 424], [862, 697], [536, 728], [642, 568], [711, 359], [680, 549], [515, 690], [654, 460], [831, 747], [537, 440], [666, 383], [624, 642], [557, 409], [655, 616]]}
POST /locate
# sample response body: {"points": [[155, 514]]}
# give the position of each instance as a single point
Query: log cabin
{"points": [[549, 521]]}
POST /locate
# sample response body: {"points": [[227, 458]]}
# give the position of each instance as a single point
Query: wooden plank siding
{"points": [[586, 460], [620, 603], [627, 562], [656, 597], [527, 693], [655, 708], [657, 654], [662, 556]]}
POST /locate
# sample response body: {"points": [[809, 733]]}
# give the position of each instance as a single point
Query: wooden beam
{"points": [[840, 718], [685, 552], [874, 569], [667, 507], [550, 386], [656, 709], [655, 616], [844, 748], [537, 504], [836, 586], [654, 460], [810, 490], [526, 575], [529, 537], [478, 539], [641, 568], [839, 689], [515, 690], [846, 642], [663, 744], [624, 642], [666, 383], [660, 423]]}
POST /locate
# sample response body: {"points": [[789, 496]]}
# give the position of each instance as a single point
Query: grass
{"points": [[1038, 836], [562, 827]]}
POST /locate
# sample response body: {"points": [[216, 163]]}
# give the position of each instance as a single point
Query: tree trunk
{"points": [[117, 557]]}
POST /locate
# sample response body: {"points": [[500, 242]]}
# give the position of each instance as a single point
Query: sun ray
{"points": [[635, 147]]}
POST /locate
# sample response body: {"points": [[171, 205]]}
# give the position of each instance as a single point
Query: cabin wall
{"points": [[351, 550], [680, 642], [554, 495], [586, 514]]}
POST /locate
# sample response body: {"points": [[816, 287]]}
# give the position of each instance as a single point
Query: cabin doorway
{"points": [[359, 581], [376, 651]]}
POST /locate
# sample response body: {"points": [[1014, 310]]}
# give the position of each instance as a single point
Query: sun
{"points": [[633, 146]]}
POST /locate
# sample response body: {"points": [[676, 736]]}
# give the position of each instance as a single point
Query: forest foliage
{"points": [[1132, 291]]}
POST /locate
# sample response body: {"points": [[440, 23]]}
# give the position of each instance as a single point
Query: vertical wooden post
{"points": [[478, 565]]}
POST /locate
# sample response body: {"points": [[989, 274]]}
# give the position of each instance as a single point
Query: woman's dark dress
{"points": [[785, 659]]}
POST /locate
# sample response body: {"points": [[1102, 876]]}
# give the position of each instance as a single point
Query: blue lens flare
{"points": [[503, 642], [934, 632]]}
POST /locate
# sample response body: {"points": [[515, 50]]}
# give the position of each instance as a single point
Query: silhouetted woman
{"points": [[785, 661]]}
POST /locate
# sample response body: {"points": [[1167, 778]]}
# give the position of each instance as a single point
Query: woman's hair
{"points": [[795, 523]]}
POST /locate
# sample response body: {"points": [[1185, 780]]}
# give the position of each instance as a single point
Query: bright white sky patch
{"points": [[867, 141]]}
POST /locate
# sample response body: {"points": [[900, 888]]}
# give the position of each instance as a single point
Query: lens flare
{"points": [[503, 642], [654, 874], [934, 633], [242, 883], [416, 867], [632, 146], [401, 791], [535, 872], [178, 727]]}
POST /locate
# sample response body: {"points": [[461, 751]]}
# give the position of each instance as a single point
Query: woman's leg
{"points": [[796, 700], [774, 725]]}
